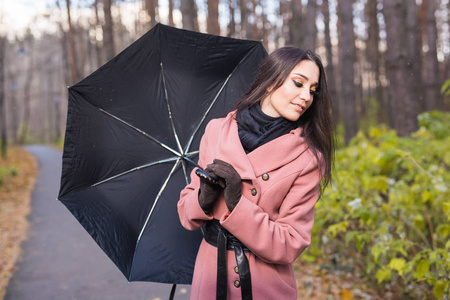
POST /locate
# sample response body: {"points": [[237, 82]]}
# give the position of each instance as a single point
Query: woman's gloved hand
{"points": [[231, 182], [208, 193]]}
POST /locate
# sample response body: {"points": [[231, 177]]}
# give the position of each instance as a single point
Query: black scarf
{"points": [[255, 128]]}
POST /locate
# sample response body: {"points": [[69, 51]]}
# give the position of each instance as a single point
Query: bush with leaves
{"points": [[387, 212]]}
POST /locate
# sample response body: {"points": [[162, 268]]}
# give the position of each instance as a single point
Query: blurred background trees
{"points": [[385, 59]]}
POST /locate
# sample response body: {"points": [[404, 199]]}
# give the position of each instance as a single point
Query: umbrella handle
{"points": [[202, 174]]}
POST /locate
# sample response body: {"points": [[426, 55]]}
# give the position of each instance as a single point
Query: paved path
{"points": [[60, 260]]}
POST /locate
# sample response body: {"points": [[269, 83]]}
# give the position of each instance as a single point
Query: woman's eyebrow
{"points": [[306, 78]]}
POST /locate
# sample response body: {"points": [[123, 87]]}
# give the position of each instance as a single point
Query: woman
{"points": [[270, 155]]}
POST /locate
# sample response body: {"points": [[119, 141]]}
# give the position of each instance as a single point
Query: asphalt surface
{"points": [[60, 260]]}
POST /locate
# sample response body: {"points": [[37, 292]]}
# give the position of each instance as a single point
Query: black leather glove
{"points": [[208, 193], [231, 182]]}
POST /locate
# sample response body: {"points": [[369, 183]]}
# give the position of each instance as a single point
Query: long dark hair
{"points": [[317, 122]]}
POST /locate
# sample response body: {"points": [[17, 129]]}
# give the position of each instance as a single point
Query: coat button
{"points": [[265, 176], [237, 283], [236, 270], [254, 192]]}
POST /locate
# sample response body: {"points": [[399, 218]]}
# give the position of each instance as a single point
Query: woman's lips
{"points": [[299, 106]]}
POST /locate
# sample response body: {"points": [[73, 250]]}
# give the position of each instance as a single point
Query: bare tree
{"points": [[265, 25], [108, 32], [347, 58], [74, 70], [374, 58], [212, 24], [432, 78], [171, 23], [246, 28], [12, 76], [295, 22], [232, 24], [309, 40], [3, 136], [152, 10], [402, 100], [82, 40], [29, 47], [414, 53], [329, 58], [189, 13], [98, 52]]}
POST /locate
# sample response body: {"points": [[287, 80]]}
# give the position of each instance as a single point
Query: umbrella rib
{"points": [[192, 153], [142, 132], [136, 168], [214, 101], [183, 164], [163, 187], [169, 109]]}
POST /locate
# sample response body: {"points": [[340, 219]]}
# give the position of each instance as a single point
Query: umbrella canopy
{"points": [[131, 125]]}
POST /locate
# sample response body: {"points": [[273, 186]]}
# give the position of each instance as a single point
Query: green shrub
{"points": [[387, 211]]}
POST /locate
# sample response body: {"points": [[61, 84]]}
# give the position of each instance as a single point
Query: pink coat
{"points": [[275, 223]]}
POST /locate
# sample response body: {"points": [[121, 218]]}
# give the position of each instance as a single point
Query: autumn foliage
{"points": [[386, 217], [17, 177]]}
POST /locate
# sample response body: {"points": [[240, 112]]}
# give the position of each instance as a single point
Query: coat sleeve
{"points": [[282, 240], [190, 213]]}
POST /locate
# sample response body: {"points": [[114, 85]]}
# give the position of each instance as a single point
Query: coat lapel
{"points": [[277, 152], [231, 150], [266, 158]]}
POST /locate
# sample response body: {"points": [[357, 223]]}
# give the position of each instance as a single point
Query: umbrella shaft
{"points": [[191, 161]]}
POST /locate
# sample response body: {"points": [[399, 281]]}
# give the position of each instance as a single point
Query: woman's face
{"points": [[295, 95]]}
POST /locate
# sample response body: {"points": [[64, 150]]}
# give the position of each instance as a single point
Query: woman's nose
{"points": [[305, 94]]}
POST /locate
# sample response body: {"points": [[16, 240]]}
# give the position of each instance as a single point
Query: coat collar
{"points": [[265, 158]]}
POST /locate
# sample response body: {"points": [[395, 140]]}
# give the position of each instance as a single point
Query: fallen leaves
{"points": [[314, 282], [15, 200]]}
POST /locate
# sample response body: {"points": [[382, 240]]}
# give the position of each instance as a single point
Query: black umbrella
{"points": [[131, 127]]}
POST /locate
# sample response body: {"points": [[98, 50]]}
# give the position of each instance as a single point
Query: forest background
{"points": [[387, 63]]}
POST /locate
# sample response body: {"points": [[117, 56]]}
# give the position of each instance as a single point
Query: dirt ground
{"points": [[315, 282], [15, 199]]}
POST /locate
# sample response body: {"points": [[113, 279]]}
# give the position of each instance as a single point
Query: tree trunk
{"points": [[171, 23], [108, 32], [83, 40], [309, 41], [15, 117], [296, 34], [189, 15], [374, 58], [246, 27], [255, 33], [65, 50], [329, 68], [266, 27], [4, 136], [152, 8], [413, 46], [432, 78], [29, 46], [212, 25], [232, 24], [402, 100], [74, 72], [347, 58], [98, 50]]}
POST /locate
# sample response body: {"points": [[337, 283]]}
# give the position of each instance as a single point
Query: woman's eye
{"points": [[297, 83], [314, 92]]}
